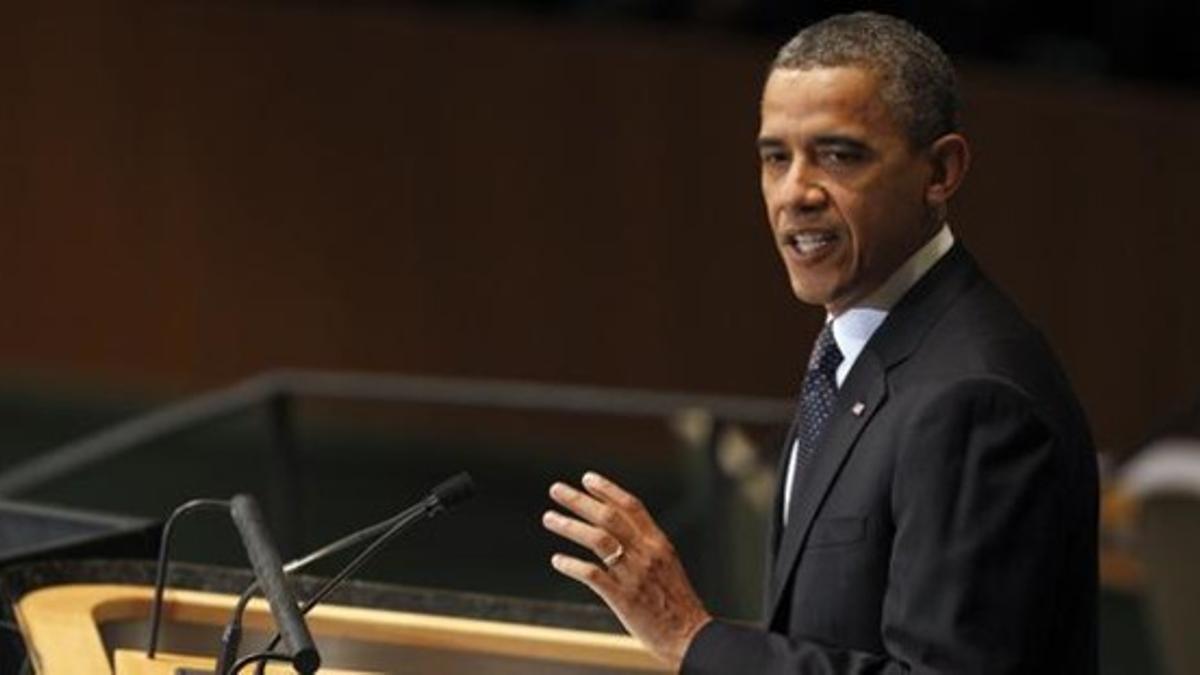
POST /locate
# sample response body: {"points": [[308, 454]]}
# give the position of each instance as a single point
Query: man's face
{"points": [[843, 187]]}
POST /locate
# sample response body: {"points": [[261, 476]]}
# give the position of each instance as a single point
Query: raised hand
{"points": [[639, 576]]}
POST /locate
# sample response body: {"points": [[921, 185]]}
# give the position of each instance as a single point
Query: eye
{"points": [[772, 157], [835, 157]]}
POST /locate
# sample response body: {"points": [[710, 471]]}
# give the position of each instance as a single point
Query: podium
{"points": [[100, 627]]}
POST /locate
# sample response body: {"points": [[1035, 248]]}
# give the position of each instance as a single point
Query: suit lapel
{"points": [[866, 386]]}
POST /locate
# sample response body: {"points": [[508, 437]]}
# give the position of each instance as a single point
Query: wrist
{"points": [[688, 634]]}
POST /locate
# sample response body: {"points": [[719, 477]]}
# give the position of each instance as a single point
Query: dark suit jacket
{"points": [[947, 522]]}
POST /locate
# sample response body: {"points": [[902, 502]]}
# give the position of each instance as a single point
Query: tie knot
{"points": [[826, 356]]}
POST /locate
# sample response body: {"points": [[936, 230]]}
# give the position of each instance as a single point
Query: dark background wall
{"points": [[193, 192]]}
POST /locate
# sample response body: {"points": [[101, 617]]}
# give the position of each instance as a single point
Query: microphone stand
{"points": [[353, 566], [269, 574], [268, 570], [231, 637], [446, 495]]}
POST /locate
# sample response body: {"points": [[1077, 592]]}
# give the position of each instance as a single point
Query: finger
{"points": [[586, 573], [593, 538], [602, 515], [609, 492]]}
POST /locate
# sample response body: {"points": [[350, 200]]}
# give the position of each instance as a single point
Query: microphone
{"points": [[451, 492], [447, 495], [268, 570]]}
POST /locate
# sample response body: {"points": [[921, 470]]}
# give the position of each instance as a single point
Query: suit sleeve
{"points": [[978, 519]]}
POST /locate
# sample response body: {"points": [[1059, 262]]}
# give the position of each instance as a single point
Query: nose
{"points": [[803, 191]]}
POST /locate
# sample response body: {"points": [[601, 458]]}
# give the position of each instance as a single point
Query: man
{"points": [[938, 493]]}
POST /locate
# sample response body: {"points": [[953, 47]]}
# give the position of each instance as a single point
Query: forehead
{"points": [[833, 99]]}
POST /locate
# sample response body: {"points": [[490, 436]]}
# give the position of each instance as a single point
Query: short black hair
{"points": [[918, 81]]}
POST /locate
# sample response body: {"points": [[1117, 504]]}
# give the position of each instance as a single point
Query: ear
{"points": [[950, 156]]}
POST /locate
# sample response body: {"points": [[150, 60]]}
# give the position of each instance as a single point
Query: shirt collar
{"points": [[853, 328], [907, 275]]}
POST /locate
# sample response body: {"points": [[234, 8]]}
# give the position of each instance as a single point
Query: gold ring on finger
{"points": [[614, 557]]}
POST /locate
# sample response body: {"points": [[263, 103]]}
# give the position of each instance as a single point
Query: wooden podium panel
{"points": [[135, 662], [101, 628]]}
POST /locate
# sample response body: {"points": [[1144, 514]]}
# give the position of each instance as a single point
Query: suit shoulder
{"points": [[983, 336], [982, 347]]}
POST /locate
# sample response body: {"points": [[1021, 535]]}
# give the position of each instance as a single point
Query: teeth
{"points": [[807, 242]]}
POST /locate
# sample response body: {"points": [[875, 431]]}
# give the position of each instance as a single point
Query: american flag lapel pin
{"points": [[858, 408]]}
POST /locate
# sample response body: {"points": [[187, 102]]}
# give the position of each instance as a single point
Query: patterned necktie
{"points": [[817, 397]]}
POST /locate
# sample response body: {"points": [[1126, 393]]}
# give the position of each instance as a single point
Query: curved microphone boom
{"points": [[164, 559]]}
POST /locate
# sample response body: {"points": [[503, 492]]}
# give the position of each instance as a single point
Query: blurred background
{"points": [[493, 194]]}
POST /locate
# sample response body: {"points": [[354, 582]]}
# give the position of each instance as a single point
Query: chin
{"points": [[819, 284], [810, 296]]}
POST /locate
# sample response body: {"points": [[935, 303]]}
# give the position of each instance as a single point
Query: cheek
{"points": [[769, 197], [870, 231], [857, 214], [882, 214], [774, 212]]}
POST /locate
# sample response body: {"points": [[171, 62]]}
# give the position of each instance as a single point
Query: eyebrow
{"points": [[768, 143], [840, 140], [824, 140]]}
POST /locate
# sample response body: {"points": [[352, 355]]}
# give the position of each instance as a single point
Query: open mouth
{"points": [[812, 242]]}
